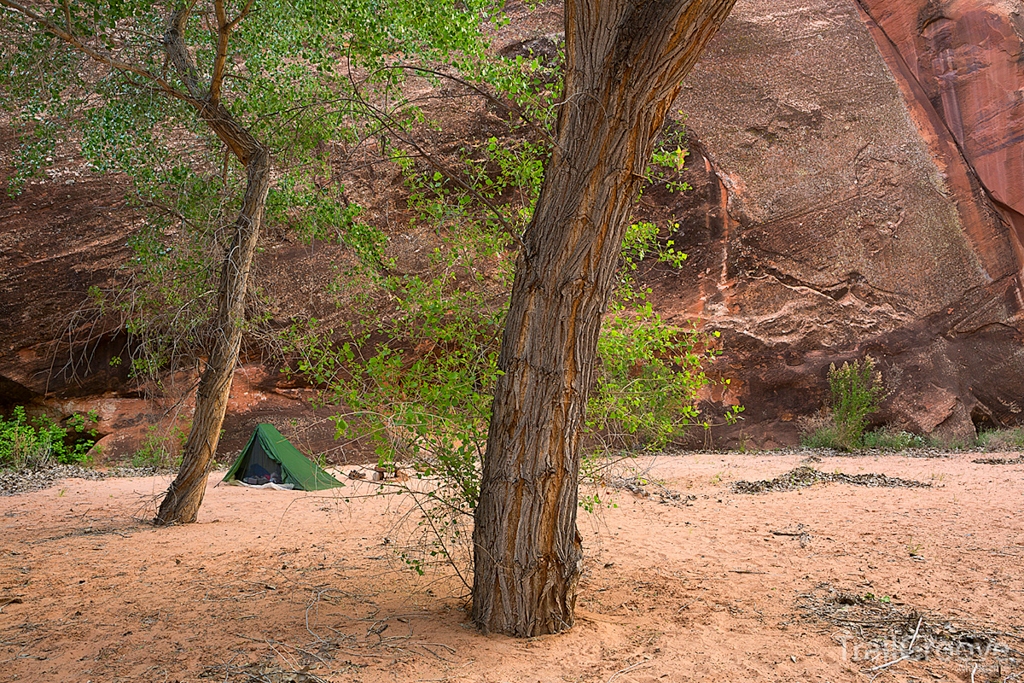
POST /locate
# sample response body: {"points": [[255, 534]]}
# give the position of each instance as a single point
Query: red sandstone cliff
{"points": [[869, 179], [961, 62]]}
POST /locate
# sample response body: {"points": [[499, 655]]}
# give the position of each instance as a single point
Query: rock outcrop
{"points": [[57, 239], [862, 164]]}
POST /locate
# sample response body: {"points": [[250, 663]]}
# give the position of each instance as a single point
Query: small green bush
{"points": [[650, 372], [1002, 439], [821, 436], [41, 441], [857, 391], [160, 450], [647, 382], [891, 440]]}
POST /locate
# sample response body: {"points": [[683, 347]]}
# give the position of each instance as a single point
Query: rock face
{"points": [[58, 239], [862, 164], [961, 62]]}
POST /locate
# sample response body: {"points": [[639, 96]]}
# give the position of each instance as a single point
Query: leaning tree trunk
{"points": [[181, 503], [185, 495], [625, 60]]}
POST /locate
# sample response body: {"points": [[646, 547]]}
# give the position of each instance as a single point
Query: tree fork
{"points": [[625, 60], [185, 495]]}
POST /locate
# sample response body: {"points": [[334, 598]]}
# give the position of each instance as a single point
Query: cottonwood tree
{"points": [[95, 35], [625, 60], [256, 81]]}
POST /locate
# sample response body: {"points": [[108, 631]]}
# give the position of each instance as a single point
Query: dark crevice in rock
{"points": [[12, 394]]}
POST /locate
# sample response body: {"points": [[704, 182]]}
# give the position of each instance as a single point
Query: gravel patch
{"points": [[13, 482], [1000, 461], [805, 476], [646, 488]]}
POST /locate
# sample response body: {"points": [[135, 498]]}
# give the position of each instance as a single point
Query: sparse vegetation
{"points": [[857, 392], [819, 431], [886, 439], [160, 450], [1002, 439]]}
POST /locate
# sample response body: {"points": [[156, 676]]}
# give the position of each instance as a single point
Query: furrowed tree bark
{"points": [[625, 60], [185, 495]]}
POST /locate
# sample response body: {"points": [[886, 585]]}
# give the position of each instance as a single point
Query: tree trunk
{"points": [[185, 495], [625, 60]]}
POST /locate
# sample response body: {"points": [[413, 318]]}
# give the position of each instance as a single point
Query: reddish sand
{"points": [[270, 582]]}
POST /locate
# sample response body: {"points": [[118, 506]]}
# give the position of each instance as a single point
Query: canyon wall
{"points": [[862, 195]]}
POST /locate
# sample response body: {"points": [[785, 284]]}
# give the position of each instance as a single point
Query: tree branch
{"points": [[241, 15], [223, 32], [507, 104], [95, 54], [67, 16], [238, 139], [177, 53]]}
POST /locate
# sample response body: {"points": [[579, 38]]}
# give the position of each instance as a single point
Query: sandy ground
{"points": [[720, 587]]}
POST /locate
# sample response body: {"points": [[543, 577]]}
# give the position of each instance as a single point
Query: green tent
{"points": [[269, 457]]}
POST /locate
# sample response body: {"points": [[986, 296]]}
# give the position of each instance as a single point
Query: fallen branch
{"points": [[910, 650]]}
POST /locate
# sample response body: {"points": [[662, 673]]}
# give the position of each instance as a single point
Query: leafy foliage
{"points": [[299, 75], [669, 159], [857, 391], [650, 372], [887, 439], [41, 441], [160, 450]]}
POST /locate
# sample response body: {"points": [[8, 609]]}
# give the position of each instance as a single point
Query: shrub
{"points": [[857, 392], [892, 440], [160, 450], [647, 380], [42, 441], [1002, 439], [820, 432]]}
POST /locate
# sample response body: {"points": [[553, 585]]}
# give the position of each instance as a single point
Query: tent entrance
{"points": [[259, 468]]}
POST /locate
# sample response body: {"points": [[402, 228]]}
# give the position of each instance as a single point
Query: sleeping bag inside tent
{"points": [[271, 458]]}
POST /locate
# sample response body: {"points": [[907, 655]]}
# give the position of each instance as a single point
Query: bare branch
{"points": [[388, 122], [241, 16], [67, 16], [238, 139], [224, 31], [511, 106]]}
